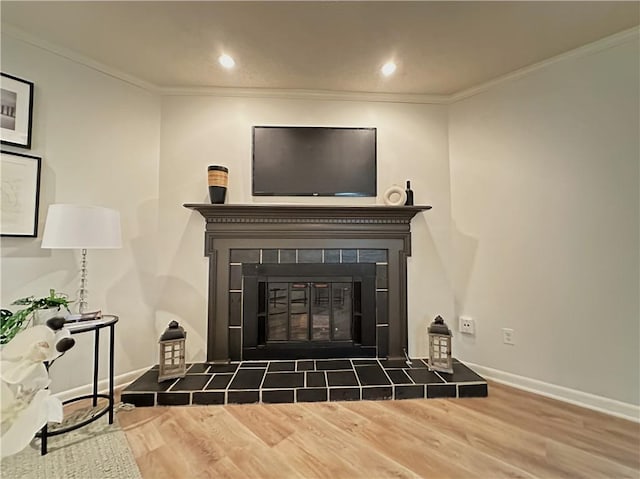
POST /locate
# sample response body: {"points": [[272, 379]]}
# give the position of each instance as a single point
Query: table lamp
{"points": [[81, 227]]}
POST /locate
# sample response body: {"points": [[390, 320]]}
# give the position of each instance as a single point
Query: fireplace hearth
{"points": [[306, 380], [246, 242]]}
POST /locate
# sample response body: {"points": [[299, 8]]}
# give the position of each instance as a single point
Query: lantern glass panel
{"points": [[172, 359], [440, 353]]}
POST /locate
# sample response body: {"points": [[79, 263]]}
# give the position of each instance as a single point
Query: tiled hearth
{"points": [[304, 381]]}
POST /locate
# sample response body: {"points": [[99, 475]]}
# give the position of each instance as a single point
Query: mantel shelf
{"points": [[295, 213]]}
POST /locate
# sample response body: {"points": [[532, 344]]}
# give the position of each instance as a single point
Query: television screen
{"points": [[314, 161]]}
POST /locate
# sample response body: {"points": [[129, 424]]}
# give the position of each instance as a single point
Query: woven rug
{"points": [[97, 451]]}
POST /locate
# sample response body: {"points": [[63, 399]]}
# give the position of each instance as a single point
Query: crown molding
{"points": [[293, 94], [588, 49], [76, 57], [632, 34]]}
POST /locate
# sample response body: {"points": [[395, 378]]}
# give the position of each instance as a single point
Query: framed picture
{"points": [[16, 109], [20, 188]]}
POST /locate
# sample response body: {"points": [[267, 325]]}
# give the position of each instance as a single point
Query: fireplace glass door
{"points": [[287, 316], [309, 311]]}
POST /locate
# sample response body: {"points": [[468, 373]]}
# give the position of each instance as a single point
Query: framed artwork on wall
{"points": [[20, 189], [16, 111]]}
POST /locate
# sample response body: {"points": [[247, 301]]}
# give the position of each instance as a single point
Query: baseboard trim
{"points": [[561, 393], [103, 385]]}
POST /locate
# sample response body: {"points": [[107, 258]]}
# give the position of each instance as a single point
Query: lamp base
{"points": [[82, 296]]}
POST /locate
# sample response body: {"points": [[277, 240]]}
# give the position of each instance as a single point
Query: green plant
{"points": [[12, 323]]}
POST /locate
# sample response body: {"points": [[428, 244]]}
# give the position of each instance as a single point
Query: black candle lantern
{"points": [[172, 353], [440, 346]]}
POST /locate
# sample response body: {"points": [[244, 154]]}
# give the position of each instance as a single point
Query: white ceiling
{"points": [[440, 47]]}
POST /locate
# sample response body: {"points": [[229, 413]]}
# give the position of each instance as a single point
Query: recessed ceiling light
{"points": [[388, 68], [226, 61]]}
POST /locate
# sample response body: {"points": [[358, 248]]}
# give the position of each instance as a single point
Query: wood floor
{"points": [[509, 434]]}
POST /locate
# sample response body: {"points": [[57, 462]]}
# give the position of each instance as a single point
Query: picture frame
{"points": [[16, 111], [20, 189]]}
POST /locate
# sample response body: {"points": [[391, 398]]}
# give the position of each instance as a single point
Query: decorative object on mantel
{"points": [[83, 228], [394, 196], [17, 111], [218, 178], [440, 358], [172, 353], [409, 192], [20, 194]]}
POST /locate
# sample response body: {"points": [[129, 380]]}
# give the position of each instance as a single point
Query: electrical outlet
{"points": [[508, 336], [466, 325]]}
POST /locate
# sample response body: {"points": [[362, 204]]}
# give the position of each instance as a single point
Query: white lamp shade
{"points": [[81, 227]]}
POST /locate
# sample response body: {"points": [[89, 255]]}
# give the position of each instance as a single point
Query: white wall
{"points": [[98, 138], [202, 130], [545, 208]]}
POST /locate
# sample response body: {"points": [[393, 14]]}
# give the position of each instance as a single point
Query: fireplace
{"points": [[324, 286], [293, 282]]}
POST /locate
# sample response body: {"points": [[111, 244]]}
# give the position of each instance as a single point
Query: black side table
{"points": [[106, 321]]}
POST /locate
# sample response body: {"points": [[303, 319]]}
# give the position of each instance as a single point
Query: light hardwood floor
{"points": [[509, 434]]}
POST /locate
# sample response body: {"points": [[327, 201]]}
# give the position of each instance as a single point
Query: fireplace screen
{"points": [[309, 311]]}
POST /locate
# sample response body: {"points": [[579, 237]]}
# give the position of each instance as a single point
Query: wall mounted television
{"points": [[313, 161]]}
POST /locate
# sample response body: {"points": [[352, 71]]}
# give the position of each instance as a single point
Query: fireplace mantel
{"points": [[306, 213], [302, 227]]}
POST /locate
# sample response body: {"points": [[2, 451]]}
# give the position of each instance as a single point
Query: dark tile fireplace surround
{"points": [[339, 346]]}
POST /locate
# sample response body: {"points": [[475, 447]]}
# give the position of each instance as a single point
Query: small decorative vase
{"points": [[218, 177]]}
